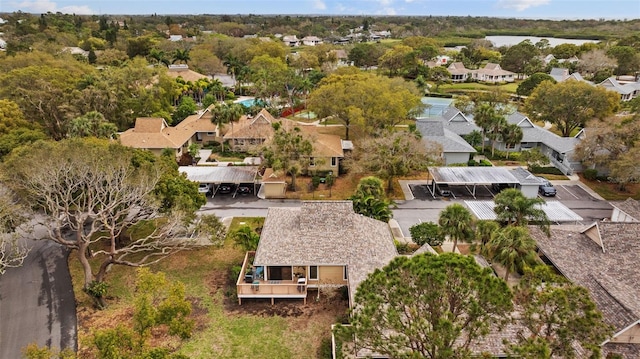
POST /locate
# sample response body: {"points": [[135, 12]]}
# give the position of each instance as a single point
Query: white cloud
{"points": [[43, 6], [319, 5], [520, 5]]}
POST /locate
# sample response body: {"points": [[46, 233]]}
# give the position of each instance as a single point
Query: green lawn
{"points": [[224, 329], [476, 86]]}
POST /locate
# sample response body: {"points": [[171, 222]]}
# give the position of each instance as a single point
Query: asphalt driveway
{"points": [[37, 304]]}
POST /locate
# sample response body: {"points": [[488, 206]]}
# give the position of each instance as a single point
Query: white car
{"points": [[204, 188]]}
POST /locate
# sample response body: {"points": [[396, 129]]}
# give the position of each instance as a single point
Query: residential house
{"points": [[272, 185], [291, 40], [627, 88], [76, 51], [558, 149], [603, 258], [311, 40], [561, 74], [457, 121], [320, 244], [182, 70], [154, 134], [492, 73], [458, 72], [442, 59], [454, 148], [250, 133]]}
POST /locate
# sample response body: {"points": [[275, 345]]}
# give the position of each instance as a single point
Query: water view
{"points": [[553, 41]]}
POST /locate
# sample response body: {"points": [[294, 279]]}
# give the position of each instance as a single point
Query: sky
{"points": [[529, 9]]}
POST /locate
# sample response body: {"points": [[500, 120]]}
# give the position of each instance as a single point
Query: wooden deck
{"points": [[271, 289]]}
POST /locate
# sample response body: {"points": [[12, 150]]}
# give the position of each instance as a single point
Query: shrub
{"points": [[485, 163], [515, 156], [546, 170], [234, 273], [401, 247], [315, 181], [426, 232], [590, 174], [472, 163]]}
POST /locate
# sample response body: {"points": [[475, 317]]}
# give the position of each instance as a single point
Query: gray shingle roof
{"points": [[325, 233], [457, 122], [611, 275], [434, 130], [534, 133]]}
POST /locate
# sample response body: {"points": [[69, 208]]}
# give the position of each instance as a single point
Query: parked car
{"points": [[224, 188], [546, 188], [244, 189], [443, 190], [204, 188]]}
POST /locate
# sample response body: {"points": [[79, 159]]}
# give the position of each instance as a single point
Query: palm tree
{"points": [[511, 135], [514, 209], [181, 55], [159, 57], [512, 247], [226, 113], [483, 116], [457, 223], [370, 206], [483, 233]]}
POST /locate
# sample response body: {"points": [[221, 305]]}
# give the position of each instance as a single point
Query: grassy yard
{"points": [[224, 329], [610, 191], [476, 86]]}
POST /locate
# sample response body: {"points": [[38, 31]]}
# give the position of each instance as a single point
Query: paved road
{"points": [[37, 304]]}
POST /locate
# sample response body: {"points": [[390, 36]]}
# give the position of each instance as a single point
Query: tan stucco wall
{"points": [[274, 189], [631, 335], [331, 275]]}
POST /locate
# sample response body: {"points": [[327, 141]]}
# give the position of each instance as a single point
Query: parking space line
{"points": [[571, 193]]}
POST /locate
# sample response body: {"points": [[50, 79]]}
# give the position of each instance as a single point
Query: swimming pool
{"points": [[438, 105], [251, 102]]}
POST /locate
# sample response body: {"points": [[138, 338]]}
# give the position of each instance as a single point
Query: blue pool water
{"points": [[438, 105], [251, 102]]}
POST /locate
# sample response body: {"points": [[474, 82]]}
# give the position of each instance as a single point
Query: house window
{"points": [[312, 162], [211, 133], [345, 273], [334, 161], [313, 272]]}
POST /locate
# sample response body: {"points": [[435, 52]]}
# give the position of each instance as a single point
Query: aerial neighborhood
{"points": [[318, 186]]}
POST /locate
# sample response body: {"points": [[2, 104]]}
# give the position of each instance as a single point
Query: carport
{"points": [[555, 211], [221, 174], [470, 177]]}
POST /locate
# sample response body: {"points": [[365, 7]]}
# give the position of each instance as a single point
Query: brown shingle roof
{"points": [[154, 133], [186, 74], [201, 122], [325, 233], [610, 271]]}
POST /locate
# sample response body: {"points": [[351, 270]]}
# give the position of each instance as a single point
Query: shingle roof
{"points": [[434, 130], [154, 133], [201, 122], [325, 233], [534, 133], [457, 122], [186, 74], [610, 271], [630, 207]]}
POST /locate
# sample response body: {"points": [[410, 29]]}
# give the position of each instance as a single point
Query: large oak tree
{"points": [[570, 104], [111, 203]]}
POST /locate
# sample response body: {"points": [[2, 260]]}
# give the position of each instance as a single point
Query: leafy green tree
{"points": [[19, 137], [394, 155], [212, 227], [370, 199], [426, 232], [439, 75], [518, 56], [428, 306], [514, 209], [366, 101], [104, 194], [534, 157], [269, 76], [474, 138], [187, 107], [371, 186], [530, 83], [245, 238], [628, 59], [289, 151], [513, 248], [365, 54], [624, 169], [556, 314], [570, 104], [397, 59], [92, 124], [456, 223]]}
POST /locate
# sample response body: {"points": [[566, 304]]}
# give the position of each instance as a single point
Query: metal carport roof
{"points": [[220, 174], [472, 175], [555, 211]]}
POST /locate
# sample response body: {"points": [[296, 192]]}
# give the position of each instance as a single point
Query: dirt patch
{"points": [[330, 303]]}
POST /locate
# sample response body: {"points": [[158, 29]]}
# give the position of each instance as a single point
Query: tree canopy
{"points": [[99, 199], [570, 104], [428, 306], [366, 101]]}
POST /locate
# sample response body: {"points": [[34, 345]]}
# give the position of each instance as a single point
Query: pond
{"points": [[553, 41]]}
